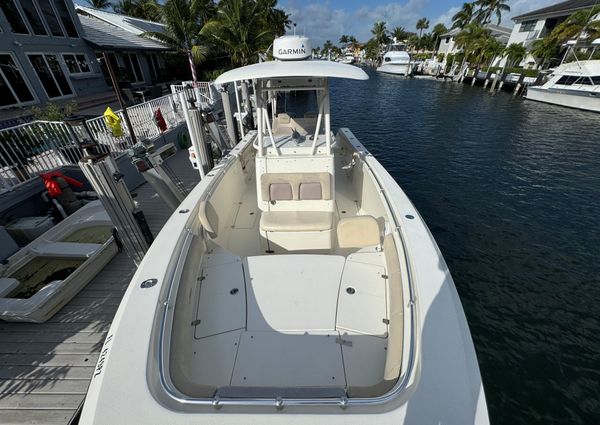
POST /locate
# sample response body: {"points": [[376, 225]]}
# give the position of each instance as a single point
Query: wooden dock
{"points": [[45, 369]]}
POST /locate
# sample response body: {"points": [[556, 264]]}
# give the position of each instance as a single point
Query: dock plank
{"points": [[56, 386], [29, 416], [45, 368]]}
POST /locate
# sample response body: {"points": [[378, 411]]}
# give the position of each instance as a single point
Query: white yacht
{"points": [[348, 57], [396, 60], [575, 85], [296, 283]]}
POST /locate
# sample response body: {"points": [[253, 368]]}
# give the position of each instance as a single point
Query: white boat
{"points": [[396, 60], [296, 283], [348, 57], [575, 85], [42, 277]]}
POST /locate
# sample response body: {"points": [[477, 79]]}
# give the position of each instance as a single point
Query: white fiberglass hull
{"points": [[578, 99], [440, 380], [396, 69]]}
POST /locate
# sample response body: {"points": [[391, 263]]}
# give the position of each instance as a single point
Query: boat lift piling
{"points": [[132, 228], [231, 130]]}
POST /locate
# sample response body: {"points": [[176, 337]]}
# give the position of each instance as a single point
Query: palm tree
{"points": [[472, 40], [380, 33], [400, 33], [99, 4], [344, 39], [492, 49], [545, 49], [184, 20], [276, 18], [144, 9], [515, 53], [422, 24], [242, 28], [464, 16], [580, 23], [437, 31], [487, 8]]}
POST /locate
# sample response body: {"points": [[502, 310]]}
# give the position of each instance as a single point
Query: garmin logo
{"points": [[291, 51]]}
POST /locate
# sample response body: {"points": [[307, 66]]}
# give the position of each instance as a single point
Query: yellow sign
{"points": [[113, 122]]}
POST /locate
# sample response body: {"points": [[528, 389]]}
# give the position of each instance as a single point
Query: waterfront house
{"points": [[535, 25], [43, 54], [447, 45], [139, 58], [52, 52]]}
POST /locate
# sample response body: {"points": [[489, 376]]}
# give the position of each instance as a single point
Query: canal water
{"points": [[511, 192]]}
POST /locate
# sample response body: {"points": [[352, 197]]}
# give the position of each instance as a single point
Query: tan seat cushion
{"points": [[358, 232], [296, 221]]}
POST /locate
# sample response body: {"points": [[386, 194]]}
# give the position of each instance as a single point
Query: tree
{"points": [[276, 18], [344, 39], [464, 16], [242, 28], [327, 46], [99, 4], [472, 39], [487, 8], [545, 49], [515, 53], [400, 33], [422, 24], [580, 25], [380, 33], [372, 51], [144, 9], [438, 31], [184, 19]]}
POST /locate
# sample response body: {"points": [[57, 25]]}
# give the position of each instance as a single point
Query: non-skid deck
{"points": [[269, 322], [45, 369]]}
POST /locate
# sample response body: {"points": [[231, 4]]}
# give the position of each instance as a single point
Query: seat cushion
{"points": [[296, 221], [358, 232]]}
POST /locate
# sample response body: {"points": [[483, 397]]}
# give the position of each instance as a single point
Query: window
{"points": [[13, 87], [132, 66], [65, 18], [33, 17], [447, 40], [50, 17], [153, 66], [51, 75], [14, 18], [527, 26], [76, 64]]}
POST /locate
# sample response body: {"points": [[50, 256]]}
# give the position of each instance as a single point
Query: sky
{"points": [[328, 19]]}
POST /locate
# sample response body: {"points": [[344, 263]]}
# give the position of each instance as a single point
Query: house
{"points": [[136, 60], [448, 46], [51, 51], [535, 25], [43, 54], [119, 36]]}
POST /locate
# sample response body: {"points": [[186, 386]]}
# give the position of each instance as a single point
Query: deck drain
{"points": [[184, 211], [234, 291], [350, 290], [410, 217]]}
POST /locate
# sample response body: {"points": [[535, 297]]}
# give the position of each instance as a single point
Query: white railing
{"points": [[29, 149], [142, 120], [204, 88]]}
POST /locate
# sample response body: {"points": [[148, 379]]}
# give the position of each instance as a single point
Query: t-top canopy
{"points": [[304, 68]]}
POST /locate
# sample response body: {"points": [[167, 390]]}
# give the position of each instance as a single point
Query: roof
{"points": [[303, 68], [497, 31], [128, 23], [106, 36], [558, 9]]}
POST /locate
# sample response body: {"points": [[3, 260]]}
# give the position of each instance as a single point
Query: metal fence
{"points": [[29, 149], [205, 89]]}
